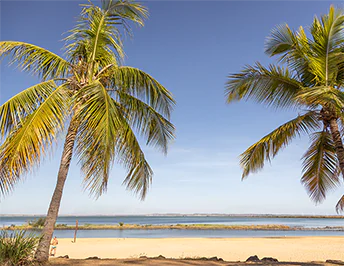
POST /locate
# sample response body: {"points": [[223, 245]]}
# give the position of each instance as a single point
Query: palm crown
{"points": [[310, 80], [100, 101], [103, 101]]}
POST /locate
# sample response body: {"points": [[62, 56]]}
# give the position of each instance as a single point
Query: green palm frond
{"points": [[35, 59], [30, 140], [340, 205], [322, 96], [99, 124], [24, 103], [152, 125], [274, 86], [103, 134], [125, 10], [281, 41], [6, 181], [139, 84], [95, 39], [103, 36], [74, 51], [252, 160], [129, 154], [320, 166], [326, 46], [339, 79], [292, 48], [140, 175]]}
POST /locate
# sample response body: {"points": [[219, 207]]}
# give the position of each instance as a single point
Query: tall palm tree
{"points": [[310, 79], [98, 101]]}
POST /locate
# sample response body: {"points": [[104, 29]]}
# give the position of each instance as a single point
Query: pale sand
{"points": [[302, 249]]}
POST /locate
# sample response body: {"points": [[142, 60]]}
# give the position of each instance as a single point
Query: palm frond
{"points": [[340, 205], [23, 104], [141, 85], [326, 46], [322, 96], [281, 41], [292, 48], [129, 154], [30, 140], [103, 134], [96, 138], [125, 10], [339, 79], [152, 125], [140, 175], [35, 59], [252, 160], [320, 166], [275, 86], [96, 38]]}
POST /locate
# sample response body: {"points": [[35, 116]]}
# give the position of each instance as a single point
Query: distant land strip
{"points": [[268, 227], [192, 215]]}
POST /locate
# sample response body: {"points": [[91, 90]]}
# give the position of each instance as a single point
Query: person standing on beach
{"points": [[54, 243]]}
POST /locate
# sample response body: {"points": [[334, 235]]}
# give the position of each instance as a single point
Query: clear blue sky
{"points": [[190, 47]]}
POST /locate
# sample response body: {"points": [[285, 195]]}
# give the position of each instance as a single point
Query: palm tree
{"points": [[100, 103], [310, 79]]}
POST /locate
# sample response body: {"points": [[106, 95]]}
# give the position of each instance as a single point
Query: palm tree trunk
{"points": [[337, 139], [42, 252]]}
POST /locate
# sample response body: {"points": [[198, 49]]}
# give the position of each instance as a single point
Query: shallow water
{"points": [[169, 220], [143, 220], [175, 233]]}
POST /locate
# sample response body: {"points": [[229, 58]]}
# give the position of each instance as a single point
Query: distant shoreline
{"points": [[268, 227], [192, 215]]}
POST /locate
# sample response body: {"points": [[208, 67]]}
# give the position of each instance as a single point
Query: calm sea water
{"points": [[170, 220]]}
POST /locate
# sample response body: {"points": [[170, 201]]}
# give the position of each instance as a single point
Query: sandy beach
{"points": [[301, 249]]}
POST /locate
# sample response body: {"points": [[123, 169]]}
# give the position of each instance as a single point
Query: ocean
{"points": [[306, 223]]}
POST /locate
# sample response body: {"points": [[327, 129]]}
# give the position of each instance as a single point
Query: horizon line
{"points": [[180, 214]]}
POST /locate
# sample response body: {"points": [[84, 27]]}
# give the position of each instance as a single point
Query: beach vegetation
{"points": [[61, 226], [17, 248], [39, 222], [93, 99], [121, 223], [309, 78]]}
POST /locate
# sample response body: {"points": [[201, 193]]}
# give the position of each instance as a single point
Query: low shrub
{"points": [[37, 222], [61, 225], [17, 248]]}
